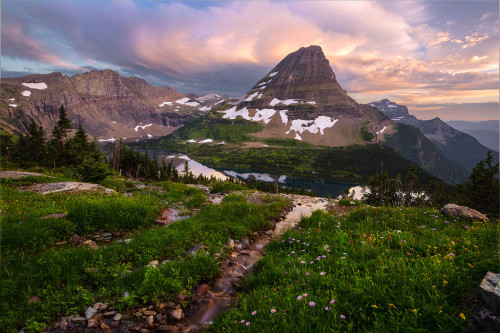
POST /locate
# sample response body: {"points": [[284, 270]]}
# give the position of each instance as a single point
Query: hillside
{"points": [[452, 143], [106, 104], [486, 132], [299, 103]]}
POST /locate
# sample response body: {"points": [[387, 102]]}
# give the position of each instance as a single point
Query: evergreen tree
{"points": [[410, 184], [481, 189]]}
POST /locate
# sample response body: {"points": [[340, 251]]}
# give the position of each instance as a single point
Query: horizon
{"points": [[440, 59]]}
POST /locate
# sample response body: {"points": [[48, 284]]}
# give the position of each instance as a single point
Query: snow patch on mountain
{"points": [[185, 101], [273, 74], [13, 105], [286, 101], [260, 115], [143, 127], [297, 137], [312, 102], [313, 126], [165, 103], [205, 108], [190, 141], [26, 93], [249, 98], [284, 117], [382, 130], [206, 141], [208, 97], [12, 99], [39, 86], [108, 140]]}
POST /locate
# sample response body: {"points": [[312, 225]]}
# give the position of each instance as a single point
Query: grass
{"points": [[67, 279], [376, 270]]}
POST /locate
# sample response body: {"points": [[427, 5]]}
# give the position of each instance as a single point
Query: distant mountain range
{"points": [[106, 104], [486, 132], [300, 99], [454, 144]]}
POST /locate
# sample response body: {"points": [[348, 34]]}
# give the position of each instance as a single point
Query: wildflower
{"points": [[273, 310], [322, 273], [328, 308], [451, 254], [466, 227], [305, 295], [312, 304], [235, 322], [374, 306], [312, 262], [254, 313], [342, 317], [243, 321], [332, 301], [323, 256], [248, 323], [302, 262], [299, 298]]}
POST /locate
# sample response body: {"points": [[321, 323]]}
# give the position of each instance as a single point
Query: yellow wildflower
{"points": [[462, 316]]}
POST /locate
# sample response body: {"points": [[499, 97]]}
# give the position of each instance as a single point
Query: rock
{"points": [[489, 292], [245, 252], [114, 324], [75, 239], [90, 312], [269, 232], [150, 320], [109, 313], [107, 235], [100, 306], [485, 321], [91, 244], [230, 243], [149, 313], [195, 249], [159, 317], [462, 212], [92, 323], [118, 317], [153, 264], [177, 314], [202, 289], [245, 243], [105, 328], [77, 320]]}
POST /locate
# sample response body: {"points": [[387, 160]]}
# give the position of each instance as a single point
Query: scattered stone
{"points": [[107, 235], [489, 292], [75, 239], [91, 244], [149, 313], [230, 243], [92, 323], [462, 212], [61, 243], [105, 328], [202, 289], [153, 264], [195, 249], [100, 306], [150, 320], [144, 330], [151, 307], [109, 313], [159, 317], [114, 324], [90, 312], [245, 243], [269, 232], [177, 314], [245, 252], [77, 320], [118, 317]]}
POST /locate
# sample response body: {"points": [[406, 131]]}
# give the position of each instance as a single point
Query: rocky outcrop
{"points": [[462, 212], [106, 104], [488, 317]]}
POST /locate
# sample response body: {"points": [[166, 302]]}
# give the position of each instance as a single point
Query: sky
{"points": [[440, 58]]}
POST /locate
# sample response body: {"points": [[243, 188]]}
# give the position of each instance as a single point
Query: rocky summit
{"points": [[106, 104], [300, 98]]}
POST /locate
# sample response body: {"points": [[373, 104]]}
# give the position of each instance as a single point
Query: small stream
{"points": [[212, 301]]}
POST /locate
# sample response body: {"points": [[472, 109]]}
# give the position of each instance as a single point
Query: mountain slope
{"points": [[453, 144], [301, 101], [104, 103], [486, 132]]}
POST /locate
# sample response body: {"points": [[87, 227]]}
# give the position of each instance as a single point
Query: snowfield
{"points": [[260, 115], [39, 86], [185, 101], [165, 103], [313, 126], [143, 127], [26, 93]]}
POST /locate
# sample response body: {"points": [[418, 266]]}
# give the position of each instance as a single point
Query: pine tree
{"points": [[481, 189], [410, 184], [57, 145]]}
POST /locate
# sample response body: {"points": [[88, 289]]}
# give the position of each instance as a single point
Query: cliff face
{"points": [[104, 103]]}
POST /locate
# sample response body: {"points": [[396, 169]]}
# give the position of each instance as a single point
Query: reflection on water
{"points": [[320, 188]]}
